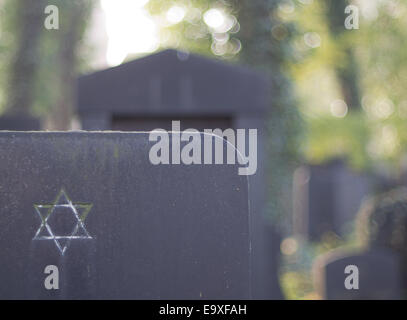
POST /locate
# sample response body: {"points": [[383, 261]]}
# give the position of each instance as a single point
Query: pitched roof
{"points": [[171, 82]]}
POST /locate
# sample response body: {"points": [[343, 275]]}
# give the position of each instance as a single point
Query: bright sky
{"points": [[130, 29]]}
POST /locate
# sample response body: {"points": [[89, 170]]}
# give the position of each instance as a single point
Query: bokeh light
{"points": [[214, 18], [339, 108], [130, 29], [175, 14]]}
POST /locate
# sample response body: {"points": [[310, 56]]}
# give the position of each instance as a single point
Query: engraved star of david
{"points": [[76, 214]]}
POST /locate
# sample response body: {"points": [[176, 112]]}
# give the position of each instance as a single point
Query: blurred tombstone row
{"points": [[332, 198], [326, 198], [201, 93], [19, 123], [381, 226]]}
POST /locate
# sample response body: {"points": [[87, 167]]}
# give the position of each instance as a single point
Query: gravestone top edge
{"points": [[117, 134], [105, 133]]}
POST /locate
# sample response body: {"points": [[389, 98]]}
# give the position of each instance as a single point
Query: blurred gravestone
{"points": [[379, 275], [148, 93], [116, 226], [19, 123], [327, 198]]}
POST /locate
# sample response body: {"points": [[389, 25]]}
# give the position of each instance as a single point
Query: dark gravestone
{"points": [[19, 123], [116, 226], [202, 93], [327, 198], [167, 84], [379, 275]]}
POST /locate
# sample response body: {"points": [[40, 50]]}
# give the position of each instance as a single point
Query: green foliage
{"points": [[370, 62], [24, 25], [298, 285], [330, 137], [8, 12], [297, 274]]}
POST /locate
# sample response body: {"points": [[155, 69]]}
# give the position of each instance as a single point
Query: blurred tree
{"points": [[40, 65], [28, 26], [346, 68], [74, 16], [267, 46]]}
